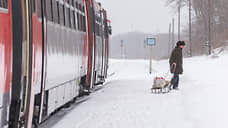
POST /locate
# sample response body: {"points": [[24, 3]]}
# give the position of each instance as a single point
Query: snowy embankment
{"points": [[126, 101]]}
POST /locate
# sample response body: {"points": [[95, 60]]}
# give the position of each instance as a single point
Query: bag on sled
{"points": [[160, 85]]}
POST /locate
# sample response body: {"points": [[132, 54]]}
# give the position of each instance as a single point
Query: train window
{"points": [[39, 8], [67, 17], [80, 7], [76, 20], [97, 29], [77, 6], [79, 21], [55, 12], [61, 15], [34, 6], [49, 10], [72, 3], [84, 23], [73, 19], [58, 17], [64, 19], [4, 4], [83, 9]]}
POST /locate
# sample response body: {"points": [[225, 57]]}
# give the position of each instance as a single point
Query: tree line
{"points": [[209, 23]]}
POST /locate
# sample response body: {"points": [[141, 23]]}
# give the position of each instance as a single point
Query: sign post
{"points": [[122, 48], [151, 42]]}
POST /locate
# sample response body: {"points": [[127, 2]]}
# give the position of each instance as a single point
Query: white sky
{"points": [[150, 16]]}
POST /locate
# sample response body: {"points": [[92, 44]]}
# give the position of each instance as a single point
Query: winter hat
{"points": [[180, 43]]}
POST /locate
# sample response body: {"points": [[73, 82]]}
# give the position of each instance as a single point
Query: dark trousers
{"points": [[175, 80]]}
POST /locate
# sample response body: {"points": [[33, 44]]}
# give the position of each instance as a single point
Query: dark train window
{"points": [[83, 9], [64, 19], [97, 31], [34, 6], [73, 19], [80, 7], [79, 21], [76, 20], [61, 15], [39, 8], [84, 23], [67, 17], [55, 11], [72, 3], [57, 5], [4, 4], [77, 6], [49, 10]]}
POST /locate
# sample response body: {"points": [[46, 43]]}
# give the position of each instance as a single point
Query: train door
{"points": [[103, 45], [98, 44], [17, 40], [38, 33], [91, 40], [28, 61], [22, 91], [107, 29]]}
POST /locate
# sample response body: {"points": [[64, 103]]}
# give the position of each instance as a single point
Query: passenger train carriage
{"points": [[51, 51]]}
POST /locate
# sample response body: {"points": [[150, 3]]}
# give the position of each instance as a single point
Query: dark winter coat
{"points": [[176, 57]]}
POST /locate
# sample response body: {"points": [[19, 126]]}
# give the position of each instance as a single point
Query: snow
{"points": [[126, 101]]}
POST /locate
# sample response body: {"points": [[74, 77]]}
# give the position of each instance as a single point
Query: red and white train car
{"points": [[51, 51]]}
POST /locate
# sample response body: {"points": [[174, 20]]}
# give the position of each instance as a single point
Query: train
{"points": [[51, 52]]}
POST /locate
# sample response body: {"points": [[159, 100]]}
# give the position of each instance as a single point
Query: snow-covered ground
{"points": [[126, 101]]}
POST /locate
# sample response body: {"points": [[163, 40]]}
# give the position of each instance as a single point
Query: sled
{"points": [[160, 85]]}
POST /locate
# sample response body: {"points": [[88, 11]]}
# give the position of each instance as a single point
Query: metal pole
{"points": [[145, 53], [190, 28], [209, 27], [169, 38], [122, 52], [173, 36], [179, 19], [151, 59]]}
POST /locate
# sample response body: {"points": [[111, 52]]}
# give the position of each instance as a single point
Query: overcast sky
{"points": [[150, 16]]}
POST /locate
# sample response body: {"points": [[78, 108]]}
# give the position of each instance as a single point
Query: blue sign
{"points": [[151, 41]]}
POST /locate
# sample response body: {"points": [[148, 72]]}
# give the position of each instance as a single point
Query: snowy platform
{"points": [[126, 100]]}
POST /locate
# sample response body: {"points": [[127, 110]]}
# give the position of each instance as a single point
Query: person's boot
{"points": [[170, 86], [175, 88]]}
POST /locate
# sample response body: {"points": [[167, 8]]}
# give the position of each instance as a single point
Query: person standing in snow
{"points": [[176, 63]]}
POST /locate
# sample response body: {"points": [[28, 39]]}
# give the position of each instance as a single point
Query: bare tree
{"points": [[210, 23]]}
